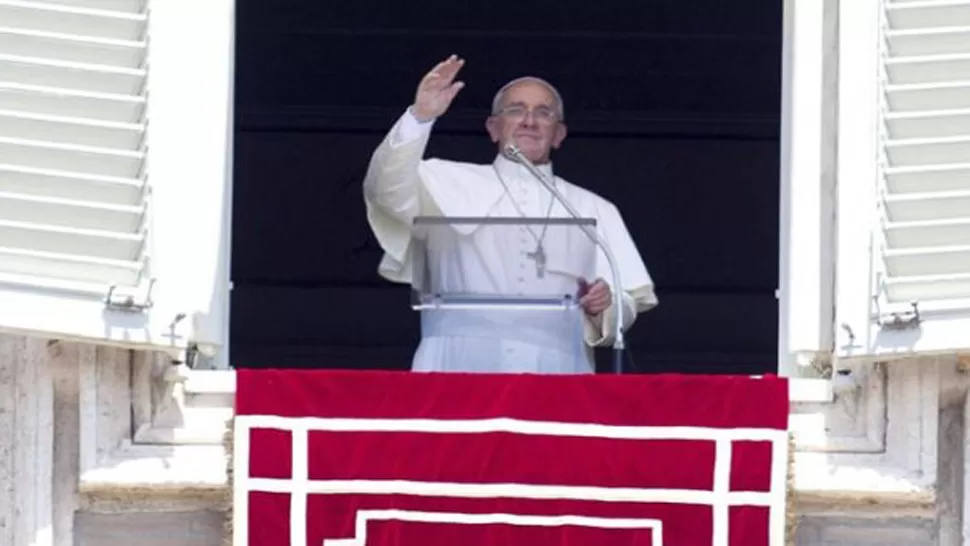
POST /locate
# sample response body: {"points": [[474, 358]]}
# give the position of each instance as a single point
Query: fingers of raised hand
{"points": [[449, 67], [443, 74], [453, 89]]}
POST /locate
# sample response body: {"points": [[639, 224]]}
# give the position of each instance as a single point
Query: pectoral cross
{"points": [[540, 258]]}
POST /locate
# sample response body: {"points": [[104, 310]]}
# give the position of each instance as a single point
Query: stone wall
{"points": [[177, 528], [101, 446]]}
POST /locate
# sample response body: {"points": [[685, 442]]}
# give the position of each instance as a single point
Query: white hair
{"points": [[497, 101]]}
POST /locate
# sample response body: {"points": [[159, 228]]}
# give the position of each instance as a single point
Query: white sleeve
{"points": [[392, 191], [409, 129]]}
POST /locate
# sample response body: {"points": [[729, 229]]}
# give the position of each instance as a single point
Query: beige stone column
{"points": [[26, 442]]}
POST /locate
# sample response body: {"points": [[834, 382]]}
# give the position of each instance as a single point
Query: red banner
{"points": [[328, 458]]}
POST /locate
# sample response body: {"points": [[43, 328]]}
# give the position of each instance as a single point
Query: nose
{"points": [[529, 119]]}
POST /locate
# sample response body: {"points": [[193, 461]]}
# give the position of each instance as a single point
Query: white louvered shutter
{"points": [[72, 141], [115, 143], [913, 296], [926, 162]]}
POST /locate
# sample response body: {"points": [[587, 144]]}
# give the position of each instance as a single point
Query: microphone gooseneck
{"points": [[513, 152]]}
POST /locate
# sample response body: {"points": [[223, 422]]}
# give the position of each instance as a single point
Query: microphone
{"points": [[513, 152]]}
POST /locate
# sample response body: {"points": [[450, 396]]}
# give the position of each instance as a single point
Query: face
{"points": [[528, 119]]}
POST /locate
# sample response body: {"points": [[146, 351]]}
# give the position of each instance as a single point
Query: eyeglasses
{"points": [[519, 111]]}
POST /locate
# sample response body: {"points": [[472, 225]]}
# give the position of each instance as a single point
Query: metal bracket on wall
{"points": [[902, 320], [127, 302]]}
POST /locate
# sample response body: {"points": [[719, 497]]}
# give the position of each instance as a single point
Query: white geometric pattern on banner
{"points": [[299, 486], [447, 518]]}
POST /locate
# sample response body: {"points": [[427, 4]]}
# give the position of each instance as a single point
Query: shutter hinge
{"points": [[127, 302], [900, 320]]}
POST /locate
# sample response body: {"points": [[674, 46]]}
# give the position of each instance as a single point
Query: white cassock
{"points": [[400, 185]]}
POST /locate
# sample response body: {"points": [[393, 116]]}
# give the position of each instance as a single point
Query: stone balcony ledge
{"points": [[871, 443]]}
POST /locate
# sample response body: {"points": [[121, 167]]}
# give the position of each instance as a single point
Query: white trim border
{"points": [[366, 516]]}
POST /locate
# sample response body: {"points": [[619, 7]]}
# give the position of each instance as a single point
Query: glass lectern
{"points": [[511, 278]]}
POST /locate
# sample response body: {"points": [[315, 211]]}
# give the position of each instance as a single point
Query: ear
{"points": [[494, 131], [559, 135]]}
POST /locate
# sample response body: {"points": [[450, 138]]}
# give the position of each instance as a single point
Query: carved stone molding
{"points": [[133, 434], [171, 405], [853, 422], [877, 442]]}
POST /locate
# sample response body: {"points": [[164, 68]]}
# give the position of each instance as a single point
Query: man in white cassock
{"points": [[401, 185]]}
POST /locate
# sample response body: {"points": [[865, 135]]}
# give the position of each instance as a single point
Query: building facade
{"points": [[115, 192]]}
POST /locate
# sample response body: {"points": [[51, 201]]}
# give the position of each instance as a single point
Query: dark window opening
{"points": [[673, 110]]}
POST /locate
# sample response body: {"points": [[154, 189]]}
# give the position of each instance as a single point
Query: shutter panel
{"points": [[903, 197], [115, 179], [72, 142], [925, 168]]}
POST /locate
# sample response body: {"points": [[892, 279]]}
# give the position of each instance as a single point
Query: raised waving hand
{"points": [[437, 89]]}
